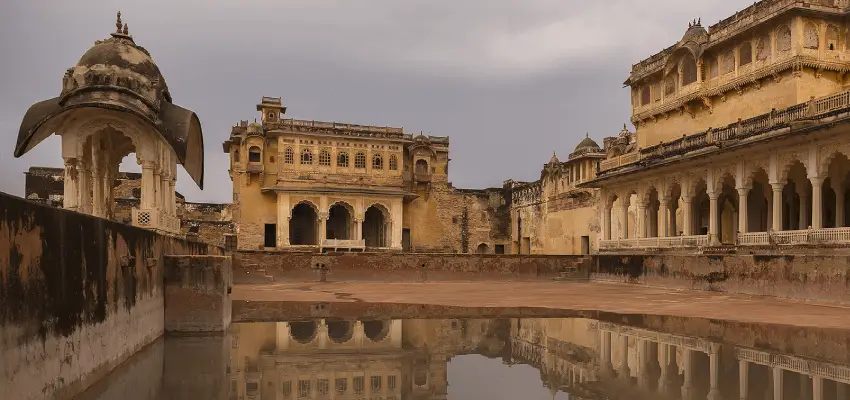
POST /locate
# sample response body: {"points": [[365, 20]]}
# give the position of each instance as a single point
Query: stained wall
{"points": [[78, 295]]}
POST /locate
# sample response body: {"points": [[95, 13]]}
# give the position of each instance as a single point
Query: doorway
{"points": [[585, 245], [270, 236]]}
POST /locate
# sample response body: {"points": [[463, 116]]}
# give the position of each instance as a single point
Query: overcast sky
{"points": [[509, 81]]}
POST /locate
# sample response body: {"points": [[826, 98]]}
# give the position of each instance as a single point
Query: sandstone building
{"points": [[300, 184], [553, 215], [740, 135]]}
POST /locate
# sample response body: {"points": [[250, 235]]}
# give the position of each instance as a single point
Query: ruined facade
{"points": [[739, 135], [301, 184], [553, 215], [211, 223], [115, 102]]}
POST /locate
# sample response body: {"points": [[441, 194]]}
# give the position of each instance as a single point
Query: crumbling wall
{"points": [[78, 295], [807, 277], [265, 267]]}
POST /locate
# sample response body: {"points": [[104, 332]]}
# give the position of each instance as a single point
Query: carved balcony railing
{"points": [[807, 236], [344, 243], [743, 129], [655, 242]]}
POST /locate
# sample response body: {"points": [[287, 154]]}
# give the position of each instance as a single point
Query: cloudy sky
{"points": [[509, 81]]}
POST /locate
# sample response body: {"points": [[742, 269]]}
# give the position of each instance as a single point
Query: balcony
{"points": [[422, 177], [799, 237], [352, 244], [655, 242]]}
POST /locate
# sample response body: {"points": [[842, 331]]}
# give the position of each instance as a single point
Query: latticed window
{"points": [[303, 389], [360, 160], [287, 389], [306, 156], [289, 156], [391, 382], [342, 159], [375, 383], [394, 162], [377, 162], [745, 54], [359, 384], [322, 387], [325, 158], [254, 154], [341, 385]]}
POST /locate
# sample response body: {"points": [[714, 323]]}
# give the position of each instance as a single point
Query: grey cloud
{"points": [[508, 81]]}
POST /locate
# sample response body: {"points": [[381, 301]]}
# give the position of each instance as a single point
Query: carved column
{"points": [[283, 212], [804, 212], [606, 222], [817, 388], [323, 228], [743, 220], [673, 230], [714, 371], [605, 355], [743, 379], [664, 213], [713, 216], [663, 362], [838, 187], [84, 187], [624, 220], [817, 201], [323, 334], [624, 372], [283, 335], [641, 219], [148, 188], [777, 205], [70, 196], [98, 176], [777, 383], [687, 370], [688, 218], [172, 193], [358, 228]]}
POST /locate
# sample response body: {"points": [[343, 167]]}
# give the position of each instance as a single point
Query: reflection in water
{"points": [[574, 358]]}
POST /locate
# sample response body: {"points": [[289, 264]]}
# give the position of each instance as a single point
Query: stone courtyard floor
{"points": [[605, 297]]}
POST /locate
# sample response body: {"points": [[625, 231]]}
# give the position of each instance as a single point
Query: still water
{"points": [[617, 357]]}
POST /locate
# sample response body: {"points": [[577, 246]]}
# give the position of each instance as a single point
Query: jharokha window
{"points": [[289, 156], [377, 162], [393, 163], [360, 160], [645, 97], [306, 156], [689, 71], [254, 154], [325, 158], [342, 159], [745, 54]]}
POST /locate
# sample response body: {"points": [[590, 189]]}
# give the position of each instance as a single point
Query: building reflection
{"points": [[409, 359]]}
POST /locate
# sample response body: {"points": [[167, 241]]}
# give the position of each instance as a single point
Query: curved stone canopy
{"points": [[118, 75], [587, 143]]}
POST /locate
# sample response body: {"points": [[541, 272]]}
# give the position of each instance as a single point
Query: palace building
{"points": [[741, 135], [301, 184]]}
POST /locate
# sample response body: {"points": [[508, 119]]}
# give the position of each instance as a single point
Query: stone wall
{"points": [[78, 295], [265, 267], [805, 277], [557, 224], [197, 289]]}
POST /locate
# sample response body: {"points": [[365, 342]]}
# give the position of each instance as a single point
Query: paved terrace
{"points": [[605, 297]]}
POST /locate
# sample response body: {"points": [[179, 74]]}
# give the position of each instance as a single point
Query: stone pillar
{"points": [[714, 371], [664, 214], [172, 190], [624, 215], [673, 230], [841, 390], [743, 379], [395, 333], [148, 189], [323, 228], [624, 372], [713, 216], [283, 335], [606, 223], [777, 206], [687, 370], [804, 212], [84, 188], [70, 197], [605, 354], [817, 388], [817, 202], [641, 219], [283, 214], [743, 221], [358, 334], [688, 218], [663, 362], [777, 383], [322, 334], [358, 228], [838, 187]]}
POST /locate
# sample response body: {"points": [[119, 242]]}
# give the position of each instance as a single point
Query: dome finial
{"points": [[587, 134], [126, 31], [118, 23]]}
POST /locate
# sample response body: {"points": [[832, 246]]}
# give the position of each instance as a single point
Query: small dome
{"points": [[587, 143], [695, 33], [554, 159]]}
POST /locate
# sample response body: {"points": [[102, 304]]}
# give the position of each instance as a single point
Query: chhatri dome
{"points": [[587, 143]]}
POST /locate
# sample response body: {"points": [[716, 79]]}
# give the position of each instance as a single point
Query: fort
{"points": [[734, 179]]}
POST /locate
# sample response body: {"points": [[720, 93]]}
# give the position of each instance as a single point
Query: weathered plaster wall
{"points": [[78, 295], [197, 290], [264, 267], [448, 220], [806, 277], [556, 226]]}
